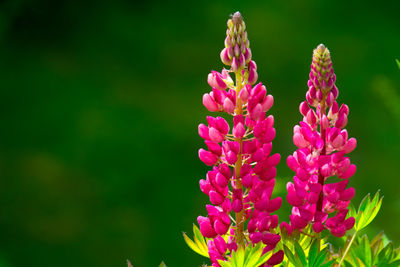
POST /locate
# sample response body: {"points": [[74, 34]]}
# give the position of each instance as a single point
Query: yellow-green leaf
{"points": [[253, 256], [195, 247], [263, 258], [237, 258], [294, 260], [199, 239], [224, 263]]}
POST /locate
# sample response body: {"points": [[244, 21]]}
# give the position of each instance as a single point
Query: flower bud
{"points": [[207, 157], [205, 227], [210, 103]]}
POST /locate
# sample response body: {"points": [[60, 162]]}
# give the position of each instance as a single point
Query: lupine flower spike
{"points": [[322, 145], [242, 178]]}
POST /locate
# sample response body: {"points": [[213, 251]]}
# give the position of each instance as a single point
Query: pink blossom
{"points": [[322, 145], [242, 178], [218, 80]]}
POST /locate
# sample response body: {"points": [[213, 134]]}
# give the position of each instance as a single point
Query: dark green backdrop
{"points": [[100, 103]]}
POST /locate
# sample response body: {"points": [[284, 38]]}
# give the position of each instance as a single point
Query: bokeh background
{"points": [[100, 102]]}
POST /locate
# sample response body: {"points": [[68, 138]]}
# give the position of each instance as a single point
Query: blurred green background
{"points": [[100, 102]]}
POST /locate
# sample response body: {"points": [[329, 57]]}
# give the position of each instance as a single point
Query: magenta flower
{"points": [[242, 178], [322, 145]]}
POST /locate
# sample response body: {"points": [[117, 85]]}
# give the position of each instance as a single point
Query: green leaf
{"points": [[162, 264], [352, 211], [300, 253], [376, 245], [347, 263], [294, 260], [195, 247], [224, 263], [364, 203], [263, 258], [375, 206], [398, 63], [366, 249], [249, 257], [199, 239], [396, 254], [385, 255], [237, 258], [247, 254], [377, 239], [320, 258], [394, 264], [328, 264], [252, 256], [367, 211], [360, 263], [312, 253]]}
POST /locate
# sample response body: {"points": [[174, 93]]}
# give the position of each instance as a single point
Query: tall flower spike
{"points": [[322, 145], [242, 178]]}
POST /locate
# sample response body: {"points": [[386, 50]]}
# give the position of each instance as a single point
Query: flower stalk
{"points": [[322, 145], [243, 176]]}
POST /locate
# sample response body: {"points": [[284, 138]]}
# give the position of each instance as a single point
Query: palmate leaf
{"points": [[199, 244], [237, 257], [249, 257], [305, 253], [396, 253], [377, 244], [352, 211], [367, 211], [378, 252], [252, 255], [262, 259], [292, 259], [385, 255]]}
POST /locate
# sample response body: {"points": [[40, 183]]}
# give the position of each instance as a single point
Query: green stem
{"points": [[347, 249]]}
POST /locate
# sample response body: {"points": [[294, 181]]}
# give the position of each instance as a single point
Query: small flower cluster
{"points": [[241, 182], [322, 145]]}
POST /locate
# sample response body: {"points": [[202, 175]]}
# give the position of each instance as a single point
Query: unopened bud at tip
{"points": [[237, 18], [321, 47]]}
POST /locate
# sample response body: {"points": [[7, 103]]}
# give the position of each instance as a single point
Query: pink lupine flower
{"points": [[218, 80], [216, 249], [242, 178], [322, 145]]}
